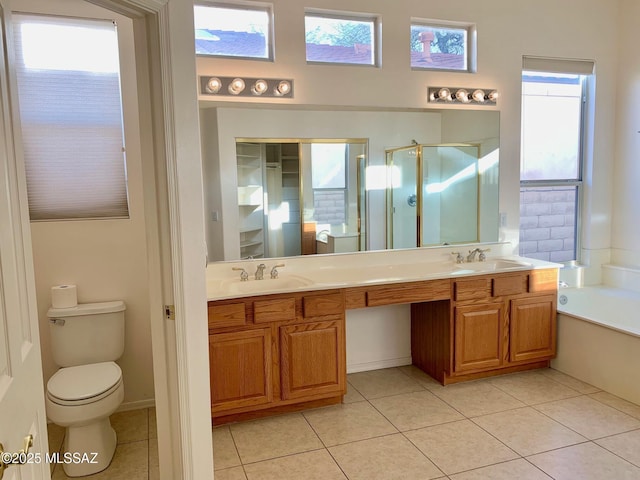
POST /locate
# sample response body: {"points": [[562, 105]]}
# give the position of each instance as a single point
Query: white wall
{"points": [[106, 259], [626, 217]]}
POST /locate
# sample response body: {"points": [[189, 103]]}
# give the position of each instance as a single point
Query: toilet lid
{"points": [[84, 381]]}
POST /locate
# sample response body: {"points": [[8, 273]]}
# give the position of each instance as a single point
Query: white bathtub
{"points": [[599, 338]]}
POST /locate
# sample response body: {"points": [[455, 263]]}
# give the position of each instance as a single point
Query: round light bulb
{"points": [[444, 94], [283, 88], [259, 87], [214, 84], [493, 96], [462, 96], [236, 86], [478, 96]]}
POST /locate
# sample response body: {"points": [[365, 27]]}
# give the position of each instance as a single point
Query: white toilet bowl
{"points": [[82, 398]]}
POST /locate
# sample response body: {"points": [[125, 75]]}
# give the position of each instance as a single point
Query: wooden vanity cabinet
{"points": [[273, 352]]}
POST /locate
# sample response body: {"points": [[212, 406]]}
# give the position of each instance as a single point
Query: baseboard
{"points": [[378, 364], [137, 405]]}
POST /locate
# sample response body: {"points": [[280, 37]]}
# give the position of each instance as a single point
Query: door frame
{"points": [[175, 234]]}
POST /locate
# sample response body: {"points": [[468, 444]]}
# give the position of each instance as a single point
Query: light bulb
{"points": [[493, 96], [462, 96], [283, 88], [478, 96], [236, 86], [444, 94], [213, 85], [259, 87]]}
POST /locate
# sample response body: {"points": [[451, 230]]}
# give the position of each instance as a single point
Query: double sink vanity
{"points": [[279, 344]]}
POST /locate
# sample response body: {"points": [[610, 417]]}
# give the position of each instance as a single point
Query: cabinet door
{"points": [[240, 369], [312, 359], [478, 337], [532, 328]]}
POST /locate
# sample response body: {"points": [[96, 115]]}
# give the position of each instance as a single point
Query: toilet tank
{"points": [[87, 333]]}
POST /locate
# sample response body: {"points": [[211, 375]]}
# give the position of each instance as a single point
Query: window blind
{"points": [[557, 65], [71, 117]]}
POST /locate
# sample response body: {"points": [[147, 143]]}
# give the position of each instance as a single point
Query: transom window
{"points": [[442, 47], [237, 31], [341, 39]]}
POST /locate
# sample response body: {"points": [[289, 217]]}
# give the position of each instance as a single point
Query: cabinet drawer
{"points": [[472, 289], [509, 285], [543, 280], [413, 292], [276, 310], [319, 305], [226, 315]]}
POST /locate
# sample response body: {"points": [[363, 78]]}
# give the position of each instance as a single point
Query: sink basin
{"points": [[266, 285], [499, 264]]}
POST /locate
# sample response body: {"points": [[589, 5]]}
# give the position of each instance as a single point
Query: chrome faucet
{"points": [[459, 257], [472, 255], [244, 276], [274, 270], [260, 271]]}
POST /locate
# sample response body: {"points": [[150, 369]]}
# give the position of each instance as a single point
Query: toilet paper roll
{"points": [[64, 296]]}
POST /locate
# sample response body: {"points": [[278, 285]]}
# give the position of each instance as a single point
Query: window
{"points": [[233, 31], [553, 104], [71, 112], [440, 47], [341, 39], [329, 183]]}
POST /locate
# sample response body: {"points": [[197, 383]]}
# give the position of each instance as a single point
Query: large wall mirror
{"points": [[282, 182]]}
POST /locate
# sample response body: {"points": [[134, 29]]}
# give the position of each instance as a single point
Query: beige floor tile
{"points": [[411, 411], [618, 403], [225, 454], [348, 423], [274, 437], [154, 460], [569, 381], [625, 445], [528, 431], [533, 387], [317, 465], [352, 395], [516, 469], [459, 446], [477, 398], [418, 375], [55, 434], [586, 461], [384, 458], [153, 429], [131, 426], [234, 473], [130, 462], [382, 383], [589, 417]]}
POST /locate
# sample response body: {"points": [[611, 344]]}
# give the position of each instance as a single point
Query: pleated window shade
{"points": [[71, 116]]}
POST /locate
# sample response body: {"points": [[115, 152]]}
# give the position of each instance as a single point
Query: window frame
{"points": [[578, 182], [471, 46], [253, 6], [376, 50]]}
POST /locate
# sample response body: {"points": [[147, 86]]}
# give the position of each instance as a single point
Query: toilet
{"points": [[85, 342]]}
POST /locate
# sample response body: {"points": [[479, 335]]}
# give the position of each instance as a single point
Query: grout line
{"points": [[618, 455], [611, 406], [537, 467], [235, 445]]}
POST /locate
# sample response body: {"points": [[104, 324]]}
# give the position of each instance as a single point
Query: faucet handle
{"points": [[274, 270], [260, 271], [459, 257], [244, 276], [482, 257]]}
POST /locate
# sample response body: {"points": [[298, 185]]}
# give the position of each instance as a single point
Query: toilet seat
{"points": [[84, 384]]}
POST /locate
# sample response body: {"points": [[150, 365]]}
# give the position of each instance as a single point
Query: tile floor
{"points": [[398, 423]]}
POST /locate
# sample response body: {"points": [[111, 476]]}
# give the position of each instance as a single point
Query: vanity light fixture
{"points": [[462, 95], [246, 87]]}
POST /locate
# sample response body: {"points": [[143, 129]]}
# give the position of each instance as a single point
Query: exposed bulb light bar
{"points": [[462, 95], [246, 87]]}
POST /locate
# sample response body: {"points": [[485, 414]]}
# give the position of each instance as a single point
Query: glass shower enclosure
{"points": [[433, 195]]}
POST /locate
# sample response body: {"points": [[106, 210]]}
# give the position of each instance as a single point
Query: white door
{"points": [[22, 410]]}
